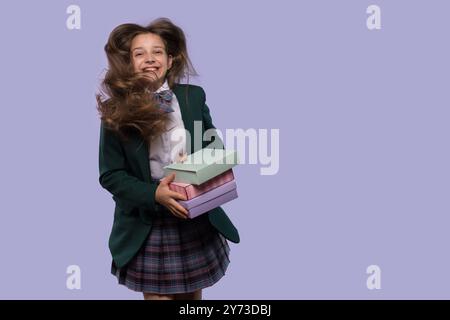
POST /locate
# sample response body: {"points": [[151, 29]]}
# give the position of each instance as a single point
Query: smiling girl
{"points": [[155, 249]]}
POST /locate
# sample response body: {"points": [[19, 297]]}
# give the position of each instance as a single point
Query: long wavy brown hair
{"points": [[124, 102]]}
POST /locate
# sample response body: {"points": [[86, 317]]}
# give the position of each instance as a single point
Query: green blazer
{"points": [[125, 172]]}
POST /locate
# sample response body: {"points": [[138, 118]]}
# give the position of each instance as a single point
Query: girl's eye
{"points": [[138, 54]]}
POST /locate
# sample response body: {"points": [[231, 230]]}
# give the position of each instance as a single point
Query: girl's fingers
{"points": [[175, 213], [177, 196], [178, 214], [179, 208], [166, 180], [172, 210], [170, 178]]}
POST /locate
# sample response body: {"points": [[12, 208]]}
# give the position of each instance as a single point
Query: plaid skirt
{"points": [[178, 256]]}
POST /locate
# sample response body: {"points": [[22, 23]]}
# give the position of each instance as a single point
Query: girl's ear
{"points": [[169, 62]]}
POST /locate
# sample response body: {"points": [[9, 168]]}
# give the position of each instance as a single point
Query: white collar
{"points": [[165, 86]]}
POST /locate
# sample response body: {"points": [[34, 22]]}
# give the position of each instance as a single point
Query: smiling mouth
{"points": [[149, 69]]}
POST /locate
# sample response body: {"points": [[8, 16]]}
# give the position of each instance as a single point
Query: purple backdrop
{"points": [[363, 119]]}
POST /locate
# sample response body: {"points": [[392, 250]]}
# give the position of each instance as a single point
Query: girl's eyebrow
{"points": [[155, 47]]}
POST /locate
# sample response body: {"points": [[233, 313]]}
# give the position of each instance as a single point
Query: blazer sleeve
{"points": [[208, 123], [115, 178]]}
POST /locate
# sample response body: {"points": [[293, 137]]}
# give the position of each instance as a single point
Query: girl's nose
{"points": [[149, 58]]}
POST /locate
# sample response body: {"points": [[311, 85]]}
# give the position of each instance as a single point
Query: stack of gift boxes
{"points": [[205, 178]]}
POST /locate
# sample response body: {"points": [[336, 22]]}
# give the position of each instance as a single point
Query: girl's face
{"points": [[148, 55]]}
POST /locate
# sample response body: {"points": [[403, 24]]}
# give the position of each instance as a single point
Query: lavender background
{"points": [[363, 118]]}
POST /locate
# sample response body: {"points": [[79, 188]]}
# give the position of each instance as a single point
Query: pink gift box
{"points": [[191, 191]]}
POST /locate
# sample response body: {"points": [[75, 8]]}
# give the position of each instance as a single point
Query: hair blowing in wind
{"points": [[124, 102]]}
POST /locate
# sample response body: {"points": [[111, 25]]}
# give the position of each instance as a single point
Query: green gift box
{"points": [[202, 165]]}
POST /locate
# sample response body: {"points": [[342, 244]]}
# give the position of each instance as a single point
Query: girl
{"points": [[155, 248]]}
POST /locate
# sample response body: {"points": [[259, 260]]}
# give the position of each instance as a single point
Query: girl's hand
{"points": [[168, 198]]}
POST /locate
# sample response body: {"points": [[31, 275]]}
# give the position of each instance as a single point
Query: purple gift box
{"points": [[211, 199]]}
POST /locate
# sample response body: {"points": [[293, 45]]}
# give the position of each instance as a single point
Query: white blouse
{"points": [[166, 149]]}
